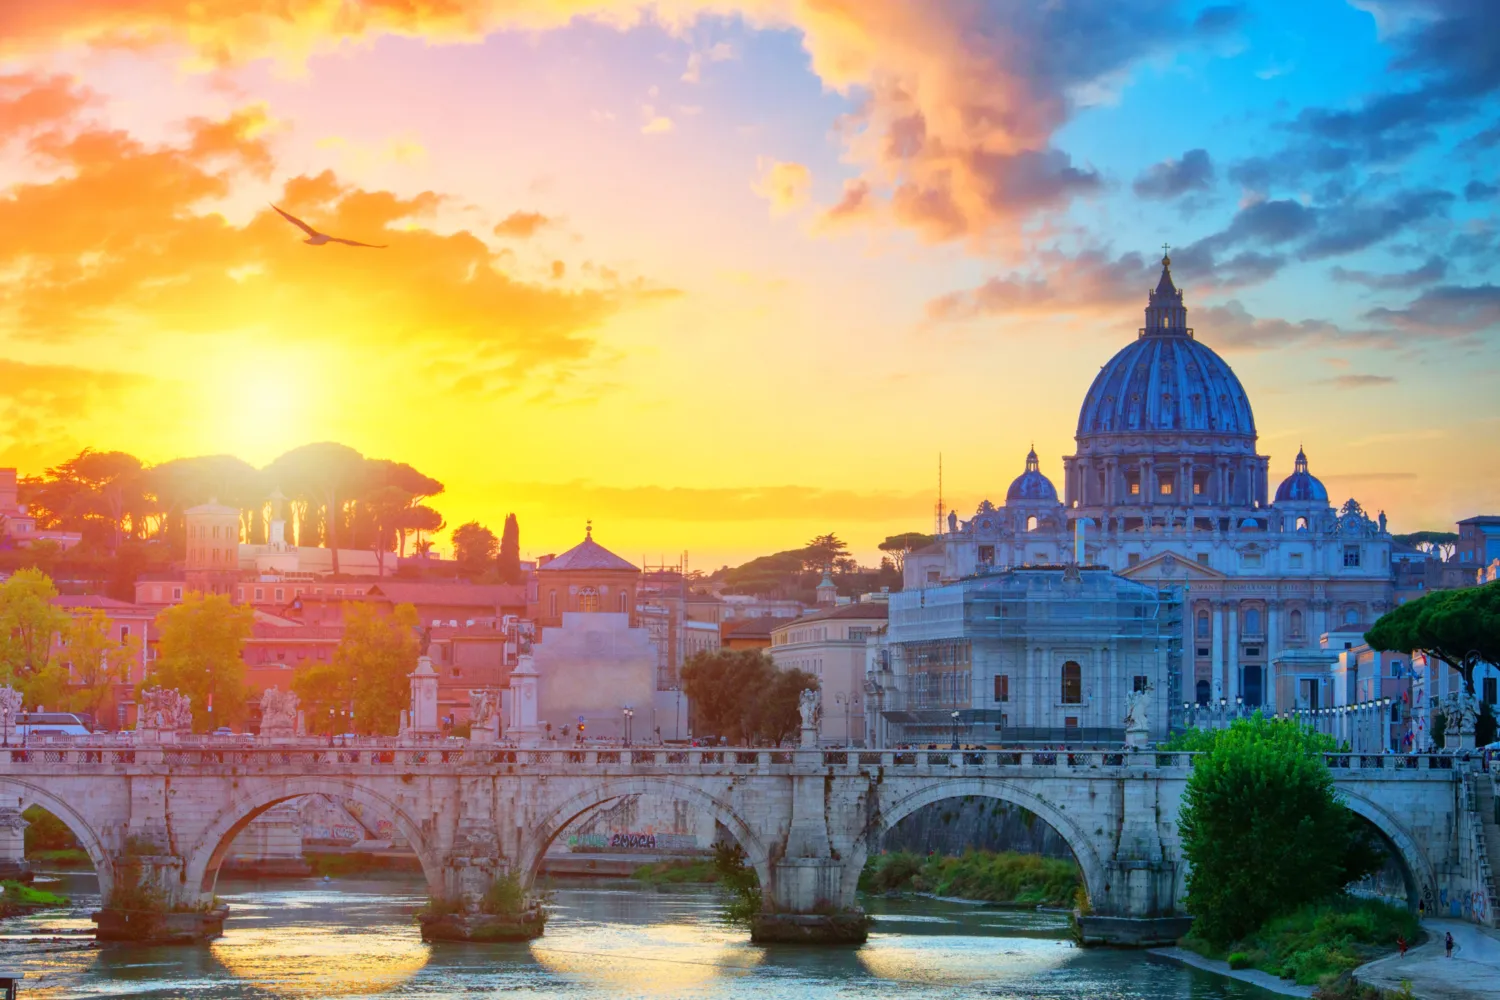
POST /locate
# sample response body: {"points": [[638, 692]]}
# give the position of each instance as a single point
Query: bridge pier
{"points": [[13, 863], [482, 899], [151, 904]]}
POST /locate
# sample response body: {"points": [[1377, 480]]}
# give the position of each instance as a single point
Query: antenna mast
{"points": [[939, 512]]}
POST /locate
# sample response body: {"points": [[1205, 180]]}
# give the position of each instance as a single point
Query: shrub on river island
{"points": [[993, 876], [741, 881], [18, 897], [677, 871]]}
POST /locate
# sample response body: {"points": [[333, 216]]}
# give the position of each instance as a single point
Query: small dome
{"points": [[1031, 484], [1301, 486]]}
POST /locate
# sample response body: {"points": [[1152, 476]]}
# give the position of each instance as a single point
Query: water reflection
{"points": [[357, 938]]}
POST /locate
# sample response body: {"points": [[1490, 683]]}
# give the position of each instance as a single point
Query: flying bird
{"points": [[317, 239]]}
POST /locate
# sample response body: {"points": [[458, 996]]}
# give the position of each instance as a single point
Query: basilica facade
{"points": [[1168, 488]]}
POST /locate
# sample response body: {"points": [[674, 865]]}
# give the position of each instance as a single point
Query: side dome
{"points": [[1301, 486], [1031, 484], [1166, 380]]}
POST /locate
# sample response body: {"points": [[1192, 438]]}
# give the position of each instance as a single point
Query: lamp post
{"points": [[954, 717], [5, 722], [629, 713]]}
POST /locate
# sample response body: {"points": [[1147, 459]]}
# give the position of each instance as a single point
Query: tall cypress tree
{"points": [[510, 551]]}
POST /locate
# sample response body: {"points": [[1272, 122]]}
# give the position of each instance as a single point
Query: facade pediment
{"points": [[1169, 564]]}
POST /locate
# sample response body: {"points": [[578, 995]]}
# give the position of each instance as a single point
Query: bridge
{"points": [[157, 819]]}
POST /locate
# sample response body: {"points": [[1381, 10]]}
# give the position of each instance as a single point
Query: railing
{"points": [[375, 753]]}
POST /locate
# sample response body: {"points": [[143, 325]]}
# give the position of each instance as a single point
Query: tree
{"points": [[1443, 544], [824, 551], [322, 693], [421, 520], [900, 545], [30, 629], [1263, 829], [199, 654], [1459, 626], [510, 551], [385, 506], [328, 475], [742, 695], [376, 656], [474, 546], [98, 661]]}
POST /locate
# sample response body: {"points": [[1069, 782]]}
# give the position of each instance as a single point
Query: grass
{"points": [[21, 895], [1318, 943], [992, 876], [677, 871]]}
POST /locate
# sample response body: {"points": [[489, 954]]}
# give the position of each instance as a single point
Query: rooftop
{"points": [[587, 555]]}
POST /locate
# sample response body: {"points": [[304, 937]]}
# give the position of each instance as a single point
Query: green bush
{"points": [[504, 897], [1238, 960], [745, 898], [677, 871], [1318, 942], [46, 832]]}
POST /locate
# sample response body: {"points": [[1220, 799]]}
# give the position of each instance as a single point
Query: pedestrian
{"points": [[1448, 943], [1421, 911], [1401, 946]]}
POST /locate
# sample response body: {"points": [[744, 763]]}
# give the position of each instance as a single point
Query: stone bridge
{"points": [[158, 819]]}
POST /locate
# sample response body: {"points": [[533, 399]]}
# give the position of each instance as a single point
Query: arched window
{"points": [[1203, 624], [588, 599], [1031, 523], [1072, 684], [1296, 623], [1351, 615], [1252, 621], [623, 608], [1253, 687], [1301, 524], [1203, 692], [552, 603]]}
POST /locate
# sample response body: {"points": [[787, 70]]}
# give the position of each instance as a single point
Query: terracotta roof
{"points": [[875, 610], [492, 595], [751, 628], [587, 554]]}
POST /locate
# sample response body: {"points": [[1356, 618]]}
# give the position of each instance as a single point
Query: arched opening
{"points": [[1202, 624], [1031, 523], [1252, 621], [1296, 624], [58, 838], [1072, 683], [206, 856], [1006, 812], [588, 599], [1301, 524], [1406, 876], [1254, 686], [1203, 692]]}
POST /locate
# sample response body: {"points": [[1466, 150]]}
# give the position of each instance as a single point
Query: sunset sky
{"points": [[724, 274]]}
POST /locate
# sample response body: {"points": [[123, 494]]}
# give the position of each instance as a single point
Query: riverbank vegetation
{"points": [[18, 897], [677, 871], [1317, 942], [740, 880], [992, 876], [1272, 849]]}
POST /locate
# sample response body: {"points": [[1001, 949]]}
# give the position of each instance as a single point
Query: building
{"points": [[1167, 488], [1478, 541], [593, 667], [1034, 654], [587, 578], [748, 633], [130, 624], [830, 645], [18, 527]]}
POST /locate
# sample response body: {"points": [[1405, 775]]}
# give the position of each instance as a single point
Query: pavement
{"points": [[1473, 973], [1254, 977]]}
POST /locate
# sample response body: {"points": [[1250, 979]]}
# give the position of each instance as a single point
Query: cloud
{"points": [[1173, 178], [29, 100], [521, 225], [1219, 18], [1480, 191], [124, 242], [1428, 273], [1356, 381], [719, 52], [655, 124], [1357, 223], [783, 184], [1233, 328], [1091, 282], [43, 405], [1448, 310], [958, 107]]}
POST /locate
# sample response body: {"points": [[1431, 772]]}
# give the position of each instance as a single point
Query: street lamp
{"points": [[954, 716], [629, 714]]}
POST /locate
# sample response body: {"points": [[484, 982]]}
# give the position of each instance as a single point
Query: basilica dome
{"points": [[1301, 485], [1166, 381], [1031, 484]]}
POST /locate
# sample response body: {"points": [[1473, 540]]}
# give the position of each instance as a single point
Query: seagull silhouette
{"points": [[317, 239]]}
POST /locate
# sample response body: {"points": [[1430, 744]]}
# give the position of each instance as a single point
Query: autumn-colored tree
{"points": [[199, 654], [30, 629], [376, 655], [96, 660], [324, 694], [510, 551], [743, 696]]}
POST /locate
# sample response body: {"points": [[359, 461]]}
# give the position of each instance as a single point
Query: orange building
{"points": [[213, 548], [587, 577]]}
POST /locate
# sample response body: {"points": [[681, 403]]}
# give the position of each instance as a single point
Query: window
{"points": [[1253, 693], [1203, 559], [216, 531], [1031, 523], [1133, 559], [1250, 560], [1135, 489], [1139, 682], [552, 603], [1070, 721], [1351, 615], [588, 599], [1301, 524], [280, 594], [260, 593], [1351, 555], [1252, 621], [176, 593], [1202, 692], [1002, 687], [1294, 561], [1072, 684], [124, 633], [623, 608], [932, 576], [1296, 622], [1203, 625], [1252, 650], [338, 591], [987, 555], [1166, 487], [1490, 694], [1198, 488], [1202, 650]]}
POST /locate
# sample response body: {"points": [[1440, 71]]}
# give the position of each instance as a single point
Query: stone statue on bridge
{"points": [[1138, 717], [484, 716], [808, 705], [1458, 730], [163, 710], [10, 707], [278, 713]]}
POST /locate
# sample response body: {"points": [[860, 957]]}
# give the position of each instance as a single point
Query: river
{"points": [[355, 937]]}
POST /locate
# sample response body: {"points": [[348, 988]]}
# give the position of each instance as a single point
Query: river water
{"points": [[355, 937]]}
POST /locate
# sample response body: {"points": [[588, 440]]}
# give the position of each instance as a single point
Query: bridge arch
{"points": [[1420, 879], [28, 794], [1091, 866], [533, 848], [207, 853]]}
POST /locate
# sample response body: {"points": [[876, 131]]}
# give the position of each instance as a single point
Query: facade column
{"points": [[1216, 650], [1146, 484], [1273, 641], [1234, 689]]}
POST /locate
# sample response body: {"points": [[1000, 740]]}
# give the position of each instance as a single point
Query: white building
{"points": [[830, 644]]}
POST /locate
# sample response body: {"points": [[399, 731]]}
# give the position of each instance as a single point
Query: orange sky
{"points": [[720, 275]]}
